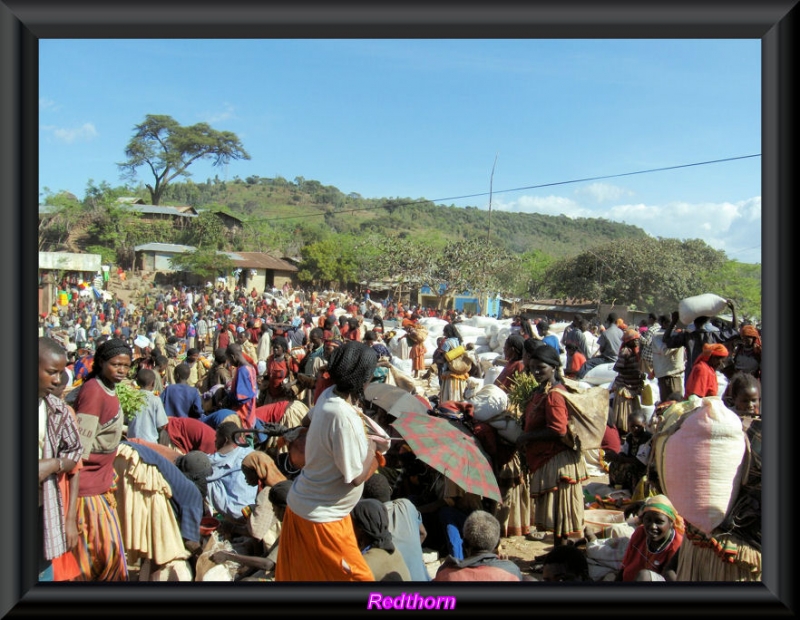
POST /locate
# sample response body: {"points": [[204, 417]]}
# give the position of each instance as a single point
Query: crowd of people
{"points": [[247, 411]]}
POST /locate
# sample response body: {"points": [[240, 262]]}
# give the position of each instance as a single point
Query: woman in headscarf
{"points": [[514, 512], [371, 527], [281, 371], [702, 380], [653, 543], [747, 355], [628, 383], [556, 470], [317, 538], [100, 552], [513, 349], [452, 380]]}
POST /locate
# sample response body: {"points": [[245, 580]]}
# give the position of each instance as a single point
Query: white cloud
{"points": [[547, 205], [734, 228], [603, 192], [47, 104], [216, 117], [69, 135]]}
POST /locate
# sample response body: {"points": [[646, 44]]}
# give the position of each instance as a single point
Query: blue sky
{"points": [[428, 118]]}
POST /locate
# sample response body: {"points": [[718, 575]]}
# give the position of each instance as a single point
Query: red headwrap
{"points": [[630, 334], [748, 331], [715, 349]]}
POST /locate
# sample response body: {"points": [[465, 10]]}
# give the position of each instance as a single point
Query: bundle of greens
{"points": [[522, 386], [131, 399]]}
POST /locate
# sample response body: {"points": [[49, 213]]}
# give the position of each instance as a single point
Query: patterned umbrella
{"points": [[449, 450], [392, 399]]}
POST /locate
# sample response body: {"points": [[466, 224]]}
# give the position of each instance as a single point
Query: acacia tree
{"points": [[167, 149], [644, 273]]}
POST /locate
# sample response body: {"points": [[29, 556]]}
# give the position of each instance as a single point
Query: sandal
{"points": [[535, 536]]}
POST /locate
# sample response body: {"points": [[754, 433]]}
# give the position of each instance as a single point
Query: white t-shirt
{"points": [[336, 447]]}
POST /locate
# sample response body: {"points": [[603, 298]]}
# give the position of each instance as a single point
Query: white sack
{"points": [[707, 304]]}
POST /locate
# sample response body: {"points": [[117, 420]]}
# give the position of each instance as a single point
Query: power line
{"points": [[519, 189]]}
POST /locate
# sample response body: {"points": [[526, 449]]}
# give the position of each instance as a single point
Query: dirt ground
{"points": [[523, 552]]}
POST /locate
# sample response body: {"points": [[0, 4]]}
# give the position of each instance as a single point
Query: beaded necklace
{"points": [[650, 563]]}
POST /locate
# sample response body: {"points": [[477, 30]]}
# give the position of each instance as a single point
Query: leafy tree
{"points": [[329, 262], [167, 149], [204, 263], [525, 275], [207, 231], [107, 255], [741, 282], [98, 197], [642, 273], [54, 227]]}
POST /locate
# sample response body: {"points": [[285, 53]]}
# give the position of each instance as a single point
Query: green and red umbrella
{"points": [[450, 450]]}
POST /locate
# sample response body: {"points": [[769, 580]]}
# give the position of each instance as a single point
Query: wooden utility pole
{"points": [[491, 180]]}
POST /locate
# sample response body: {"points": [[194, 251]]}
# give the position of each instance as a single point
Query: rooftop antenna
{"points": [[491, 179]]}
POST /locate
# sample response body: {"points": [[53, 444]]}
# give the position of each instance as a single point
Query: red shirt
{"points": [[97, 471], [273, 412], [503, 380], [576, 360], [637, 557], [191, 434], [545, 411], [702, 380]]}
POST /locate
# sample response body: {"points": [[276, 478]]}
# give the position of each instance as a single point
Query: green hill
{"points": [[305, 211]]}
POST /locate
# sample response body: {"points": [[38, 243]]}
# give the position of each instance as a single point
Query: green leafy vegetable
{"points": [[131, 399]]}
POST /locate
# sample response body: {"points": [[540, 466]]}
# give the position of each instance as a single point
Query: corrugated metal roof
{"points": [[259, 260], [157, 210], [545, 306], [70, 261], [169, 248], [225, 213]]}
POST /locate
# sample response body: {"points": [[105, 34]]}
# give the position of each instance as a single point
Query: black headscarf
{"points": [[377, 487], [517, 343], [351, 366], [371, 516], [280, 492], [547, 354], [109, 350], [196, 466]]}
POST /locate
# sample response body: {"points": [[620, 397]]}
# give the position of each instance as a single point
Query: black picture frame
{"points": [[24, 22]]}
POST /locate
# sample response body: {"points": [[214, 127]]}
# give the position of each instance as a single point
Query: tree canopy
{"points": [[167, 149], [205, 263]]}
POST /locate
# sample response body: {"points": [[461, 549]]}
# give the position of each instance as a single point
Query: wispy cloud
{"points": [[547, 205], [84, 133], [47, 104], [603, 192], [227, 113], [732, 227]]}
